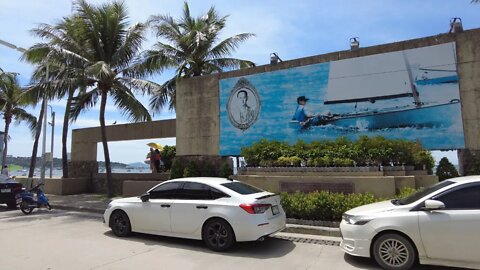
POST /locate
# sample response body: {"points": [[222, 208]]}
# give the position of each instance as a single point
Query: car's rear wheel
{"points": [[218, 235], [26, 209], [120, 223], [394, 252]]}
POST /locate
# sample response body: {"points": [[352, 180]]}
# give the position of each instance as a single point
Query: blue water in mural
{"points": [[437, 123]]}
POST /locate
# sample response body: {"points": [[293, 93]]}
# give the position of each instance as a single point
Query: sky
{"points": [[292, 29]]}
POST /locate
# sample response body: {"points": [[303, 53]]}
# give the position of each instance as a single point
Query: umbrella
{"points": [[155, 145]]}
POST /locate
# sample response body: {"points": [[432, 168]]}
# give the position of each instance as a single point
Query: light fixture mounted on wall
{"points": [[274, 59], [354, 43], [456, 25]]}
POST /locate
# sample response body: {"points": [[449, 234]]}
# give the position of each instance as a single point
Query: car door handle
{"points": [[165, 205], [202, 207]]}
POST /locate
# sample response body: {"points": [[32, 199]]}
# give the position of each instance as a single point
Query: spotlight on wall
{"points": [[456, 25], [274, 59], [354, 43]]}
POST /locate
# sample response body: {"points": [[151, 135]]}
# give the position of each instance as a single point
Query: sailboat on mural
{"points": [[394, 83]]}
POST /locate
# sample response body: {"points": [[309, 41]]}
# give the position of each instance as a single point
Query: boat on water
{"points": [[386, 86], [432, 116]]}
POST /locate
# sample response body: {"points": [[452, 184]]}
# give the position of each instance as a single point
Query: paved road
{"points": [[72, 240]]}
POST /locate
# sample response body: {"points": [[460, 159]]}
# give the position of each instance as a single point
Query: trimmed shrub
{"points": [[288, 161], [167, 154], [446, 170], [225, 170], [176, 170], [327, 206], [366, 151], [191, 170]]}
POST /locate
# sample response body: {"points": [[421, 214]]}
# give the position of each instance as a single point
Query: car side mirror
{"points": [[145, 197], [433, 205]]}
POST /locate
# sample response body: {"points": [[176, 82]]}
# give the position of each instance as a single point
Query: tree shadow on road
{"points": [[267, 249]]}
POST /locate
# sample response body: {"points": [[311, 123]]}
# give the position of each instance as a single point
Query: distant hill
{"points": [[57, 162], [137, 165]]}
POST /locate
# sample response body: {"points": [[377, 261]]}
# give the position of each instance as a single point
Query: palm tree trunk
{"points": [[65, 133], [38, 129], [104, 143], [8, 119]]}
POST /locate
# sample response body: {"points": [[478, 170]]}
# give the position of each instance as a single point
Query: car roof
{"points": [[465, 179], [204, 180]]}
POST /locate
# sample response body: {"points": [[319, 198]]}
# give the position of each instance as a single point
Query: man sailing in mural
{"points": [[301, 114], [307, 119]]}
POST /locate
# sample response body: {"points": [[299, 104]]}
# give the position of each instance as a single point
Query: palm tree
{"points": [[110, 46], [193, 49], [12, 103], [61, 53]]}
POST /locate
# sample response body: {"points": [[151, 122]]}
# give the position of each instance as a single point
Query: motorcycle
{"points": [[30, 201]]}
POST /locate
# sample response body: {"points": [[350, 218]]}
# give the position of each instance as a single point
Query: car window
{"points": [[464, 198], [165, 191], [216, 194], [242, 188], [198, 191], [424, 192], [194, 191]]}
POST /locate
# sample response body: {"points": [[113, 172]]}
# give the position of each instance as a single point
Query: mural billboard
{"points": [[411, 94]]}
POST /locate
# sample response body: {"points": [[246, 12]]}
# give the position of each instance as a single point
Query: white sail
{"points": [[383, 76]]}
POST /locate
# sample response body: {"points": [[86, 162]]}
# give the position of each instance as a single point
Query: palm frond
{"points": [[23, 116], [139, 85], [227, 46], [129, 106], [130, 47], [83, 102], [163, 96]]}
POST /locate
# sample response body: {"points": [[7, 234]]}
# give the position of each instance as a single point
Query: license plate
{"points": [[275, 210], [6, 190]]}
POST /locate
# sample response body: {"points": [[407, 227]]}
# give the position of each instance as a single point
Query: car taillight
{"points": [[255, 208]]}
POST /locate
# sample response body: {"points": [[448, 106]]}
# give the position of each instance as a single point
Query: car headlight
{"points": [[109, 205], [356, 220]]}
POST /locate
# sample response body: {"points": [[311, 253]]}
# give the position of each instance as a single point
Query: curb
{"points": [[290, 228], [313, 230], [79, 209]]}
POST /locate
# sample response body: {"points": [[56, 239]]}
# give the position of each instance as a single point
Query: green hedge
{"points": [[366, 151], [327, 206]]}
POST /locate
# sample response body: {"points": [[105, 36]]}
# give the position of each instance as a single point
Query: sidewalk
{"points": [[97, 203]]}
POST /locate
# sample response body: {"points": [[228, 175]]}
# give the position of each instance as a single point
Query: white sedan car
{"points": [[439, 225], [218, 211]]}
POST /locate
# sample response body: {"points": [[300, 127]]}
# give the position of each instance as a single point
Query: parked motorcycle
{"points": [[30, 201]]}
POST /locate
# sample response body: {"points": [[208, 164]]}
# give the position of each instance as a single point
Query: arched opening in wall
{"points": [[129, 156]]}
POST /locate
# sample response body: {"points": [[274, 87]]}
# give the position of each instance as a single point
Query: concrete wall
{"points": [[198, 100], [380, 186], [85, 140], [99, 185], [198, 115], [60, 186], [137, 188]]}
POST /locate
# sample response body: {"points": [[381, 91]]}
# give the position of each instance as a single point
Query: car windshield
{"points": [[242, 188], [423, 192]]}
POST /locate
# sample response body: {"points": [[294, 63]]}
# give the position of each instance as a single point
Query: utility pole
{"points": [[51, 143]]}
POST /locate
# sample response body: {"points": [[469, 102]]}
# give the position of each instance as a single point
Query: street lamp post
{"points": [[44, 140], [44, 131], [51, 143]]}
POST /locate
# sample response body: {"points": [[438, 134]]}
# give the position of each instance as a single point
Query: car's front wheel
{"points": [[394, 252], [218, 235], [120, 223]]}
